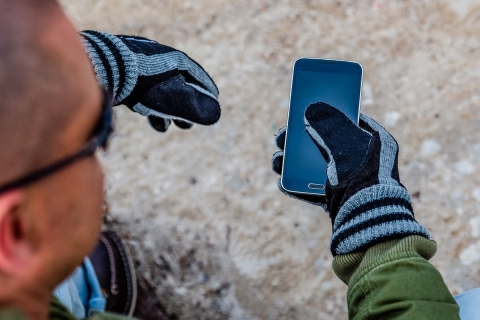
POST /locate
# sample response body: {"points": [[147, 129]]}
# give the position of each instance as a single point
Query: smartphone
{"points": [[335, 82]]}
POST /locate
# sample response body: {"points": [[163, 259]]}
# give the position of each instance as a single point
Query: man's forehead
{"points": [[61, 38], [48, 82]]}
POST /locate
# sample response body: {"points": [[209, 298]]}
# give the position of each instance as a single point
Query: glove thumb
{"points": [[341, 140]]}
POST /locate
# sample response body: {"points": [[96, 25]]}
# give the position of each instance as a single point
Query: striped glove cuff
{"points": [[375, 214], [114, 63]]}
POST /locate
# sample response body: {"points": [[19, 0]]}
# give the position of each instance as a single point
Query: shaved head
{"points": [[50, 103], [38, 96]]}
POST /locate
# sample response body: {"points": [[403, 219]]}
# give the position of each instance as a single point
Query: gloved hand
{"points": [[364, 197], [154, 80]]}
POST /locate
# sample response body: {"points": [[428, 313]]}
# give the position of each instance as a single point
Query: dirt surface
{"points": [[200, 209]]}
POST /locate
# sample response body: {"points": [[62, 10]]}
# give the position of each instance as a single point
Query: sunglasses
{"points": [[100, 137]]}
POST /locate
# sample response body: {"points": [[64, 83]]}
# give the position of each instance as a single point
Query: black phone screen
{"points": [[337, 83]]}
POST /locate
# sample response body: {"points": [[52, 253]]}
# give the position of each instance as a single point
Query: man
{"points": [[53, 116], [47, 227]]}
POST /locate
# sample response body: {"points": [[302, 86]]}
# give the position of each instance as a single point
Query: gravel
{"points": [[200, 208]]}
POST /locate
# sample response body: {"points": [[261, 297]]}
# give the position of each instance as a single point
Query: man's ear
{"points": [[15, 251]]}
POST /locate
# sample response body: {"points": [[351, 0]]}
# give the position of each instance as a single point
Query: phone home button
{"points": [[316, 186]]}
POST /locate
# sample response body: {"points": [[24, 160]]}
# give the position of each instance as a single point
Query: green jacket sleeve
{"points": [[394, 280]]}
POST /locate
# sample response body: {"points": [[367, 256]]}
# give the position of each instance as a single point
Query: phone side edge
{"points": [[286, 135], [286, 127], [361, 88]]}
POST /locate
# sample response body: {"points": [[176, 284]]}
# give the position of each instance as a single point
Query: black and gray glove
{"points": [[364, 197], [154, 80]]}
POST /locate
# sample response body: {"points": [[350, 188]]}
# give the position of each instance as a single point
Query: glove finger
{"points": [[179, 100], [280, 138], [370, 125], [149, 52], [389, 148], [277, 162], [334, 133], [312, 199], [183, 124], [158, 123]]}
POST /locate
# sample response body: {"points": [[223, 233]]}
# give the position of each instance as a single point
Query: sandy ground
{"points": [[200, 209]]}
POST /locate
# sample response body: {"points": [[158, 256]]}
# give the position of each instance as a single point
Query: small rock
{"points": [[390, 118], [330, 306], [326, 285], [464, 167], [475, 225], [318, 265], [470, 255], [462, 8], [416, 195], [275, 282], [476, 194], [284, 104], [367, 95], [181, 291], [430, 147], [192, 180]]}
